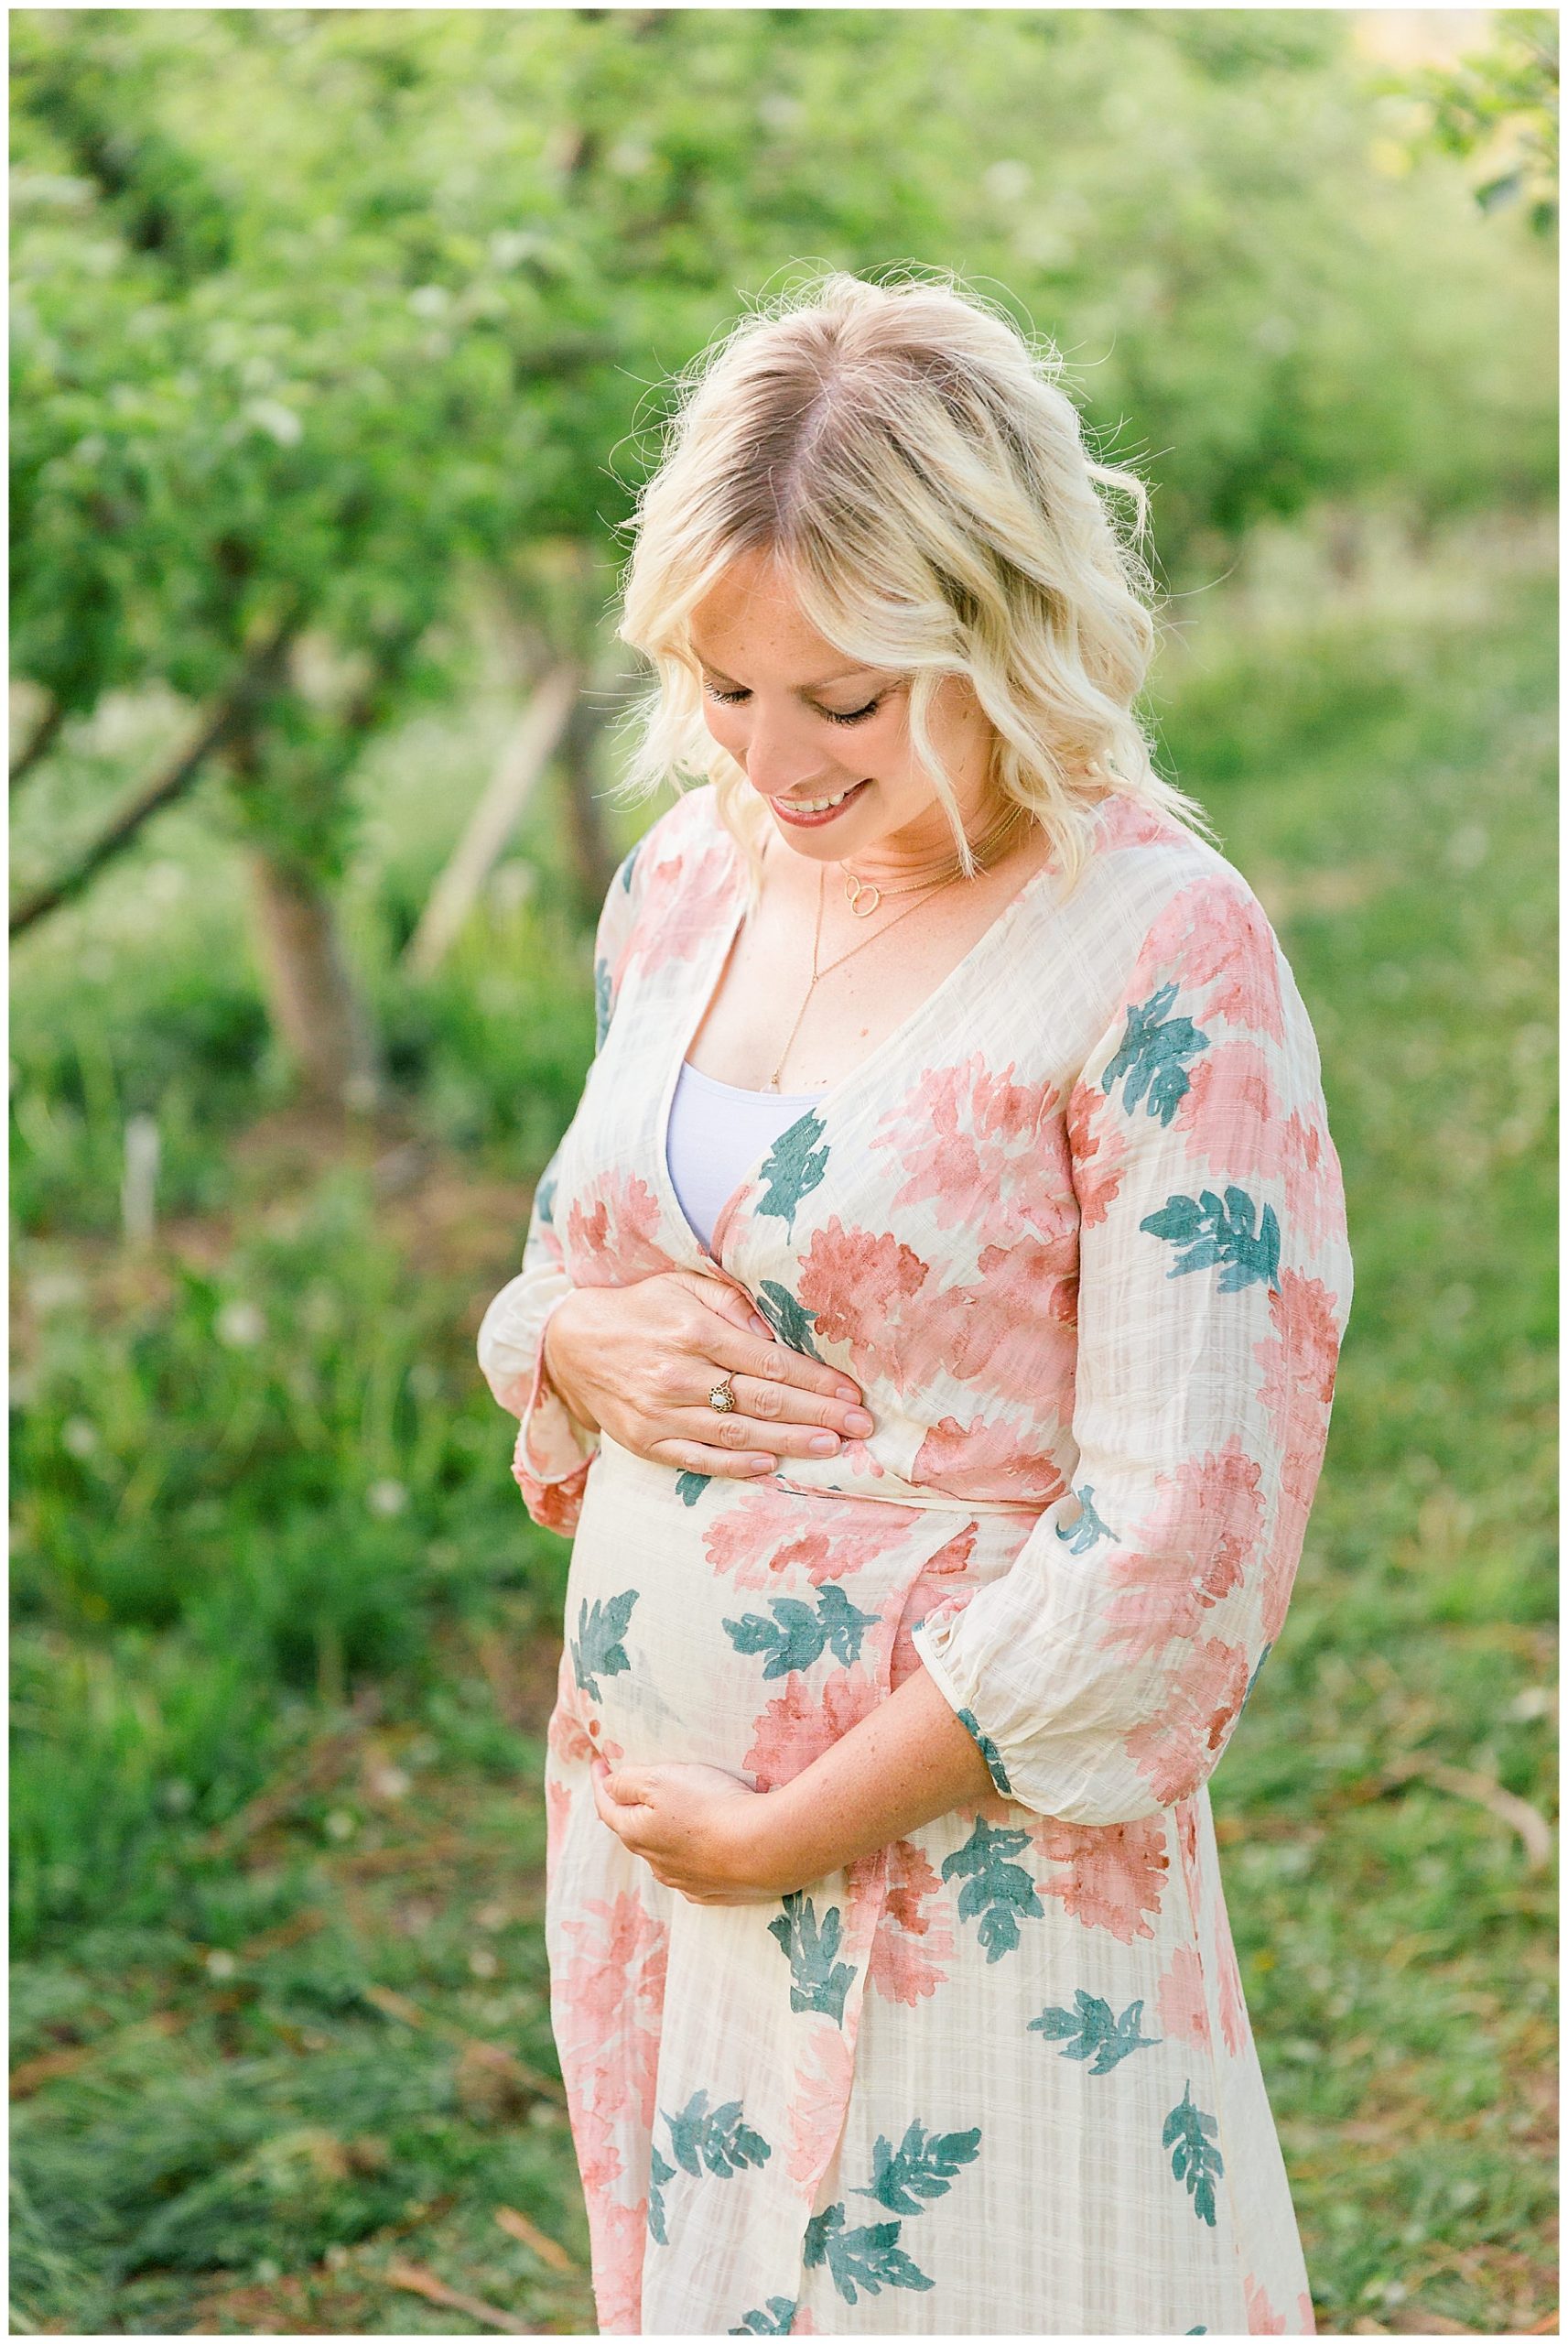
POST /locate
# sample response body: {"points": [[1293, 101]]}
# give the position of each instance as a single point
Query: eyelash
{"points": [[834, 716]]}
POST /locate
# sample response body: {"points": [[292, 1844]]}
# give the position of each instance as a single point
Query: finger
{"points": [[774, 1362], [746, 1432], [728, 1302], [771, 1403], [713, 1464]]}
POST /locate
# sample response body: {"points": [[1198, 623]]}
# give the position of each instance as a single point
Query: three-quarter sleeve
{"points": [[553, 1449], [1104, 1672]]}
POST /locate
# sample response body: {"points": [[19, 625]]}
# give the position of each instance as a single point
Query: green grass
{"points": [[286, 1642]]}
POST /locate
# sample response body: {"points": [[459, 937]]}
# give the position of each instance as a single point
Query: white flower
{"points": [[239, 1325], [387, 1498]]}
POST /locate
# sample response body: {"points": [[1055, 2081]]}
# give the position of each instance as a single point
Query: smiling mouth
{"points": [[816, 809]]}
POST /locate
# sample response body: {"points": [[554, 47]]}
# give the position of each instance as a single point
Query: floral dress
{"points": [[1076, 1227]]}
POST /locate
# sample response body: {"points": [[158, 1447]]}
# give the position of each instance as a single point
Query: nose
{"points": [[778, 762]]}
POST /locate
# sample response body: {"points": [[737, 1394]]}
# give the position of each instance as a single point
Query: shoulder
{"points": [[686, 837], [1159, 907], [673, 888]]}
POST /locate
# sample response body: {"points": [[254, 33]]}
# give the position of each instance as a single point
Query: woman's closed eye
{"points": [[834, 715]]}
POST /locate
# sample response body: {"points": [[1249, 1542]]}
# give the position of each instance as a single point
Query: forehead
{"points": [[751, 620]]}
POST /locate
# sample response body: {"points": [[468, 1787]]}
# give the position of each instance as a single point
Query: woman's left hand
{"points": [[698, 1829]]}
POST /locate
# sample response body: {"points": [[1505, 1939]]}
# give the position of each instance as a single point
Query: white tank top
{"points": [[716, 1132]]}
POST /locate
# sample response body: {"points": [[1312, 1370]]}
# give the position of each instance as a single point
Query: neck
{"points": [[1000, 826]]}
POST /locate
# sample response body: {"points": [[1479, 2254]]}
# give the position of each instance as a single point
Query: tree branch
{"points": [[39, 741], [528, 750], [218, 728]]}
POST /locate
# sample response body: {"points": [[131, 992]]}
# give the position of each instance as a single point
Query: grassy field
{"points": [[286, 1641]]}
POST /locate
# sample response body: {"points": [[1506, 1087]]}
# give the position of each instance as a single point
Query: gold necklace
{"points": [[983, 850], [773, 1080]]}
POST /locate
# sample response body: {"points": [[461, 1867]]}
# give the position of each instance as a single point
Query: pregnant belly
{"points": [[750, 1626]]}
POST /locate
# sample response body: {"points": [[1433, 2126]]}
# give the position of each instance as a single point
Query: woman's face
{"points": [[827, 742]]}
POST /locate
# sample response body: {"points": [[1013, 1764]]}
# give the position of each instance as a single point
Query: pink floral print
{"points": [[1078, 1229]]}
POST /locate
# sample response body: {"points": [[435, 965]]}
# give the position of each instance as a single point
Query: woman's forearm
{"points": [[907, 1763]]}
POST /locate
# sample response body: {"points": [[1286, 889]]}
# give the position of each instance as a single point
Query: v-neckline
{"points": [[706, 986]]}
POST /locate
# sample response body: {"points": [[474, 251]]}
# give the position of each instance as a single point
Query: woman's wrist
{"points": [[556, 1361]]}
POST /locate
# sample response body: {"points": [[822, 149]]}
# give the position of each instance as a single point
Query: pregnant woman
{"points": [[927, 1327]]}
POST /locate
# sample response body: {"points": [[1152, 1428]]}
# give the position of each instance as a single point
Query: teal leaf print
{"points": [[794, 1168], [1189, 2135], [629, 864], [659, 2171], [1257, 1672], [988, 1751], [1214, 1230], [797, 1635], [719, 2138], [604, 1001], [545, 1200], [1197, 2332], [778, 2319], [998, 1891], [922, 2166], [689, 1487], [819, 1981], [1154, 1054], [597, 1648], [786, 1317], [1088, 2031], [870, 2258], [1088, 1529]]}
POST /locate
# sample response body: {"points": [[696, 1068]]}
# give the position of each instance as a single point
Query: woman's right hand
{"points": [[638, 1362]]}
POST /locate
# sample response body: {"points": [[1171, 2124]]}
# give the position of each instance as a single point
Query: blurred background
{"points": [[339, 348]]}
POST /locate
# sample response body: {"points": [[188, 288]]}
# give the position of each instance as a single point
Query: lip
{"points": [[798, 819]]}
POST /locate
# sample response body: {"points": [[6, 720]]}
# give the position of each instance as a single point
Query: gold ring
{"points": [[722, 1397]]}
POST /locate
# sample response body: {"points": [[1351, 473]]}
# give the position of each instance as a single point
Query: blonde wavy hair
{"points": [[909, 457]]}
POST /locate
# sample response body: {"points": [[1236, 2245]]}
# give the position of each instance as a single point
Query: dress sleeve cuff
{"points": [[938, 1672], [553, 1452]]}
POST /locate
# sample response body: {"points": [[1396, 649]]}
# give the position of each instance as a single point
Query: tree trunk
{"points": [[593, 858], [315, 1008]]}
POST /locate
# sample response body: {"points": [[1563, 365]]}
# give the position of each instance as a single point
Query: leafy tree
{"points": [[332, 327], [1499, 108]]}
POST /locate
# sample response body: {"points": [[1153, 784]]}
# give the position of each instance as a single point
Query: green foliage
{"points": [[1498, 107]]}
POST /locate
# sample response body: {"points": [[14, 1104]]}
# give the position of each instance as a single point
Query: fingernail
{"points": [[847, 1392], [823, 1444], [759, 1464], [759, 1326], [859, 1422]]}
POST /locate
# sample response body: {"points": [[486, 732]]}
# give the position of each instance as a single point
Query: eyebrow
{"points": [[823, 683]]}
